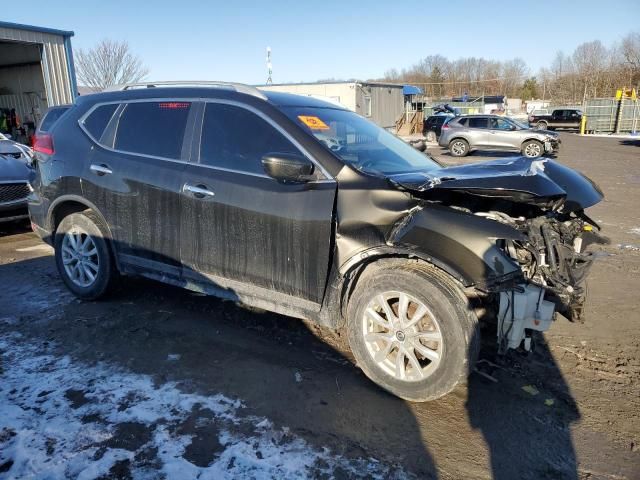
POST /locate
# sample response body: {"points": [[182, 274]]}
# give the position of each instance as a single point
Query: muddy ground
{"points": [[569, 410]]}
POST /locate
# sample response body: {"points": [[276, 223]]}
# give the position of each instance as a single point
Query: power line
{"points": [[465, 81]]}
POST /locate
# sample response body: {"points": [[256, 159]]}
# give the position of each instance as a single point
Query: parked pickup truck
{"points": [[559, 118]]}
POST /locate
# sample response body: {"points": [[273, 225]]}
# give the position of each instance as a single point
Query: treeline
{"points": [[592, 70]]}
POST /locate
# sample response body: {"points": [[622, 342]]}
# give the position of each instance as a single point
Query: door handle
{"points": [[100, 170], [198, 191]]}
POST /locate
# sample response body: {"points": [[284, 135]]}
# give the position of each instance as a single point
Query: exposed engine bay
{"points": [[543, 233], [555, 262]]}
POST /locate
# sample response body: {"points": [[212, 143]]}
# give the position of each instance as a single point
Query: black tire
{"points": [[532, 149], [459, 147], [542, 126], [431, 136], [457, 325], [89, 224]]}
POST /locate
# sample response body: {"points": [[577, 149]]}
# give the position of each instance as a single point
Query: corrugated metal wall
{"points": [[387, 103], [58, 86]]}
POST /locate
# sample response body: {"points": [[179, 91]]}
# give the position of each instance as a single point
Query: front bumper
{"points": [[552, 145], [12, 211]]}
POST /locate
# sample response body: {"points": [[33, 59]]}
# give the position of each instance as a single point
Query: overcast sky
{"points": [[226, 40]]}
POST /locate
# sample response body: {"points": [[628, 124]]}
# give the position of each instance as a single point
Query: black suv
{"points": [[432, 126], [298, 206]]}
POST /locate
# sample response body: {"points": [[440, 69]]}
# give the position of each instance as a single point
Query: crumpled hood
{"points": [[14, 169], [517, 179]]}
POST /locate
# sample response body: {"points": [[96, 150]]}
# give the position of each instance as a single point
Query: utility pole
{"points": [[269, 67]]}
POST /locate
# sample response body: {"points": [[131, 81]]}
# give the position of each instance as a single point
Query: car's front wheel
{"points": [[532, 149], [82, 255], [459, 147], [411, 330], [542, 126]]}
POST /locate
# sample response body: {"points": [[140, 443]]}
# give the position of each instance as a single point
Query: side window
{"points": [[499, 124], [477, 122], [236, 138], [153, 128], [97, 120], [463, 122]]}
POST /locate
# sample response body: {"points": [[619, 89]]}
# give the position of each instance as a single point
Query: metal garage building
{"points": [[36, 69], [381, 102]]}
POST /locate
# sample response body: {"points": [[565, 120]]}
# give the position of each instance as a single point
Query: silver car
{"points": [[465, 134]]}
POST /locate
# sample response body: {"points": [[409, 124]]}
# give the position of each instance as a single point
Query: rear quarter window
{"points": [[51, 117], [97, 120]]}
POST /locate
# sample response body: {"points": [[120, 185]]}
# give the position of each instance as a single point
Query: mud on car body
{"points": [[316, 213]]}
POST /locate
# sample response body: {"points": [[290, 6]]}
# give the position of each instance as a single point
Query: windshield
{"points": [[359, 142]]}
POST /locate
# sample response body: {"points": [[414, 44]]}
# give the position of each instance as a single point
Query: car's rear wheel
{"points": [[411, 330], [83, 256], [532, 149], [542, 126], [431, 136], [459, 147]]}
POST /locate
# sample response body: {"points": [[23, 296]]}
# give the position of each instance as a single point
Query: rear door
{"points": [[478, 132], [134, 179], [244, 229]]}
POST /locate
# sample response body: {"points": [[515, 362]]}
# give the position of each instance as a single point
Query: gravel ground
{"points": [[157, 381]]}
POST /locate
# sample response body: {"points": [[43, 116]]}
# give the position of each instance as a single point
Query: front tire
{"points": [[542, 126], [411, 330], [459, 147], [532, 149], [83, 257]]}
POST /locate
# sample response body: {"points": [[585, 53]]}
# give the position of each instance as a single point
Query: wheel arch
{"points": [[353, 269], [66, 205]]}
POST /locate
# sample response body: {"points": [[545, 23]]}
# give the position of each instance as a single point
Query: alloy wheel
{"points": [[533, 150], [80, 257], [402, 336], [458, 148]]}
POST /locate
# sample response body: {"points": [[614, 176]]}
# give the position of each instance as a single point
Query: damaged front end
{"points": [[543, 203]]}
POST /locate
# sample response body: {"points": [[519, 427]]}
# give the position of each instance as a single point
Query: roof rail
{"points": [[238, 87]]}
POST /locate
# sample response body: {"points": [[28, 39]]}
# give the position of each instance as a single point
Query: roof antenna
{"points": [[269, 67]]}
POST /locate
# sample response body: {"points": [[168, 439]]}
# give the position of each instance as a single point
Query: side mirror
{"points": [[287, 167]]}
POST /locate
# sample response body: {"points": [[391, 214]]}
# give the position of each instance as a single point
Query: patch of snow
{"points": [[635, 231], [298, 377], [60, 419], [173, 357]]}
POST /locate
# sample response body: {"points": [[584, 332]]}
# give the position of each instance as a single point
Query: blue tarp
{"points": [[411, 90]]}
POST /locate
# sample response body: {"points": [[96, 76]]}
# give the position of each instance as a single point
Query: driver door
{"points": [[501, 134], [244, 230]]}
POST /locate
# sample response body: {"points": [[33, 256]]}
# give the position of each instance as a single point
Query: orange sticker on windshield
{"points": [[314, 123]]}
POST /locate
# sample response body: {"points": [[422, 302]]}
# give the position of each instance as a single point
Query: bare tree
{"points": [[631, 54], [108, 63]]}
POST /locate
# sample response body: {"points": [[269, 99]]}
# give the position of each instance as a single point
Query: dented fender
{"points": [[393, 222], [455, 237]]}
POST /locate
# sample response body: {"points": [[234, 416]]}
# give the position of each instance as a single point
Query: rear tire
{"points": [[542, 126], [459, 147], [419, 362], [431, 136], [83, 256]]}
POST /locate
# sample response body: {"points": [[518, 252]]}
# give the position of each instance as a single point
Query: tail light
{"points": [[43, 143], [446, 126]]}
